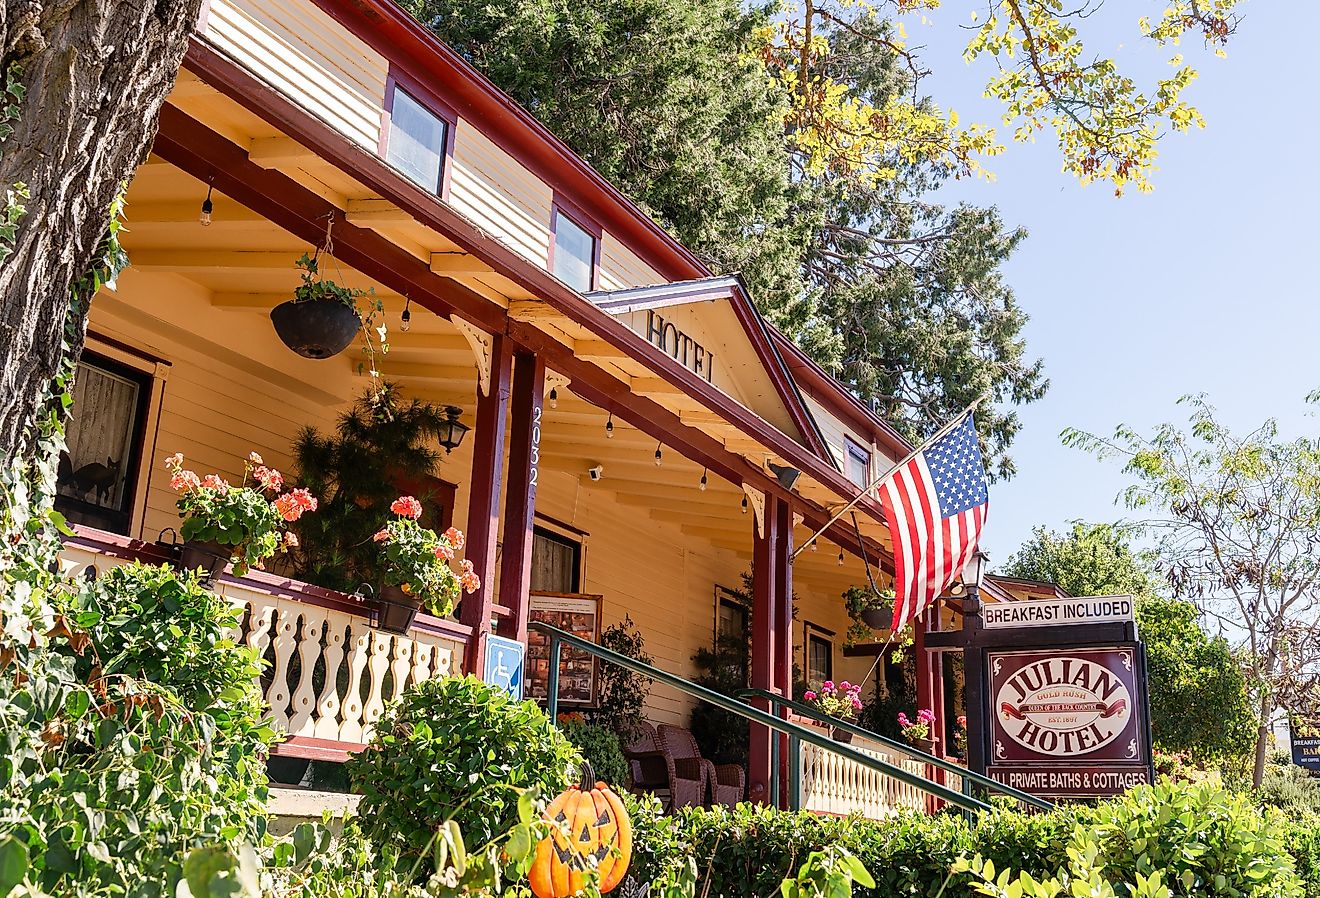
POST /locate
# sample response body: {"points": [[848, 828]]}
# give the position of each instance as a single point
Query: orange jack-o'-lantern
{"points": [[592, 830]]}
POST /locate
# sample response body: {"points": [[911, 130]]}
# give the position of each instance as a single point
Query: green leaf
{"points": [[13, 863]]}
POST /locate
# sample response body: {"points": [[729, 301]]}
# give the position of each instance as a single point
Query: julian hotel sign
{"points": [[1066, 721]]}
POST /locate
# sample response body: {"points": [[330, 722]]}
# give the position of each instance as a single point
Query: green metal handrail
{"points": [[558, 638], [893, 745]]}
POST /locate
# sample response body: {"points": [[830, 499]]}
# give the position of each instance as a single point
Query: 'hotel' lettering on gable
{"points": [[665, 336]]}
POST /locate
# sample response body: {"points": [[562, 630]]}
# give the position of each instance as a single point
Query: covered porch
{"points": [[596, 467]]}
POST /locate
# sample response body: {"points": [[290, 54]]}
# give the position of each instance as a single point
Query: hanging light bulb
{"points": [[840, 556], [703, 482], [659, 456], [744, 505], [405, 320], [815, 545], [609, 427], [207, 208], [554, 398]]}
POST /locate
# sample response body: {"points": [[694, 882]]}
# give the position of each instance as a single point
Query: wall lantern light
{"points": [[451, 429]]}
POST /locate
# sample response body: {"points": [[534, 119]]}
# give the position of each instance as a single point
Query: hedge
{"points": [[1204, 840]]}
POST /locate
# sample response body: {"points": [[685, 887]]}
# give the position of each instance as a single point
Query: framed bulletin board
{"points": [[574, 613]]}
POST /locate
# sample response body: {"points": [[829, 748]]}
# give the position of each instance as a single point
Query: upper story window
{"points": [[575, 248], [858, 464], [419, 138], [820, 657]]}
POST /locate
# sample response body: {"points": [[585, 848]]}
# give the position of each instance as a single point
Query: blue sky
{"points": [[1203, 286]]}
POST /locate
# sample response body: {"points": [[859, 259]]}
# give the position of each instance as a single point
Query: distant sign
{"points": [[1305, 738], [1067, 721], [504, 665], [1047, 612]]}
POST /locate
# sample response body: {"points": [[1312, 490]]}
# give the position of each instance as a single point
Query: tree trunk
{"points": [[95, 73], [1262, 738]]}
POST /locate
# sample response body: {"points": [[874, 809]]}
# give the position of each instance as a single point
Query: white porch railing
{"points": [[329, 673], [835, 785]]}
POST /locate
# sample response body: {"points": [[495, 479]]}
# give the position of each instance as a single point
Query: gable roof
{"points": [[708, 307]]}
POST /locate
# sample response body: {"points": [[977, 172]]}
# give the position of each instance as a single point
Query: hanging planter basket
{"points": [[878, 618], [316, 328], [396, 610]]}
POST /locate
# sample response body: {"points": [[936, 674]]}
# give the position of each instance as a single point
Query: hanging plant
{"points": [[324, 315], [868, 611]]}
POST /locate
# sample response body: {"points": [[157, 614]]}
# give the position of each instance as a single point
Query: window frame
{"points": [[576, 543], [812, 632], [397, 79], [855, 451], [560, 206], [135, 465], [725, 596]]}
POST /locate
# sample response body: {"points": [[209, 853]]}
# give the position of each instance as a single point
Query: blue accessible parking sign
{"points": [[504, 665]]}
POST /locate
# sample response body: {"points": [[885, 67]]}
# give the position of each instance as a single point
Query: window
{"points": [[97, 477], [859, 464], [575, 251], [556, 562], [417, 141], [732, 616], [820, 657]]}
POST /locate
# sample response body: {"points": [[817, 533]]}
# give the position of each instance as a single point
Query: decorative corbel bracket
{"points": [[483, 347], [756, 499]]}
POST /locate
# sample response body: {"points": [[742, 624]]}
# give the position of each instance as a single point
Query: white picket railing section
{"points": [[329, 674], [835, 785]]}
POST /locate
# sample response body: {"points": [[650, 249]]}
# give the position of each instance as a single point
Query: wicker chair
{"points": [[725, 782], [648, 769]]}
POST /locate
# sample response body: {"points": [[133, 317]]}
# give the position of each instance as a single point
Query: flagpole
{"points": [[889, 473]]}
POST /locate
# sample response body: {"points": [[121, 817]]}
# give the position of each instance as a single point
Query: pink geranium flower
{"points": [[407, 507], [185, 481], [456, 538]]}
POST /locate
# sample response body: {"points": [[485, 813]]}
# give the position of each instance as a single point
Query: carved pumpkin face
{"points": [[598, 835]]}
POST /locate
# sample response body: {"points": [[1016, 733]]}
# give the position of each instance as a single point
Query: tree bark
{"points": [[1262, 738], [95, 74]]}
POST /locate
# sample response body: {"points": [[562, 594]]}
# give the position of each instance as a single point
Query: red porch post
{"points": [[783, 629], [520, 492], [765, 619], [484, 500]]}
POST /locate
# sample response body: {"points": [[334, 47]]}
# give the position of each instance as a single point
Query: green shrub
{"points": [[1302, 840], [456, 748], [1289, 788], [600, 748], [1203, 840], [140, 741]]}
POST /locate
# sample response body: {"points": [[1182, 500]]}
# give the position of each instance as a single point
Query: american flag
{"points": [[935, 506]]}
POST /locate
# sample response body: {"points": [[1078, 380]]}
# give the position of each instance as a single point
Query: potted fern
{"points": [[324, 316]]}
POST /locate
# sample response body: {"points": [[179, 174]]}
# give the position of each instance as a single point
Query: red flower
{"points": [[175, 461], [406, 507], [306, 501], [471, 582], [216, 482], [289, 507], [443, 552], [381, 535], [456, 538]]}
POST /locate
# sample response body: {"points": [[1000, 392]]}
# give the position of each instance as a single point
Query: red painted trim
{"points": [[816, 382], [235, 82], [115, 545], [400, 79], [314, 749], [484, 494], [520, 492], [410, 46]]}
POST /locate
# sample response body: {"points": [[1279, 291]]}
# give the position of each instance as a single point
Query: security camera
{"points": [[597, 472]]}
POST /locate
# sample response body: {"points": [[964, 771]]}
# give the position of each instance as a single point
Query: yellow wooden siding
{"points": [[620, 267], [308, 56], [499, 194]]}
